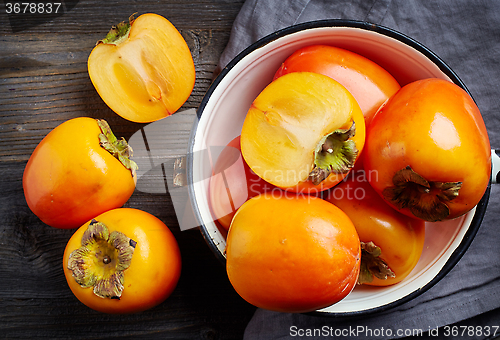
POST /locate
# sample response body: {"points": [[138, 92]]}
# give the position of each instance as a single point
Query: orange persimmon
{"points": [[123, 261], [232, 184], [392, 243], [78, 171], [292, 253], [370, 84], [430, 149]]}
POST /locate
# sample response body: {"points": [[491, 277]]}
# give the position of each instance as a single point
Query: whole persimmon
{"points": [[303, 132], [143, 70], [430, 150], [391, 242], [123, 261], [369, 83], [78, 171], [292, 253], [232, 184]]}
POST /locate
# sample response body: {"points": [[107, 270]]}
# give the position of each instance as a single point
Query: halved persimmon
{"points": [[303, 132], [143, 69]]}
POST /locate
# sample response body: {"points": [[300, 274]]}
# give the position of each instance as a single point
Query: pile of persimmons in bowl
{"points": [[354, 173], [354, 170]]}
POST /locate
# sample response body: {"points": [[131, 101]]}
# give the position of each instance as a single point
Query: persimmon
{"points": [[143, 70], [391, 242], [232, 184], [369, 83], [303, 132], [123, 261], [78, 171], [430, 149], [292, 253]]}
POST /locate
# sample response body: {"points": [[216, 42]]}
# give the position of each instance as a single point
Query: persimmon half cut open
{"points": [[143, 69], [303, 132]]}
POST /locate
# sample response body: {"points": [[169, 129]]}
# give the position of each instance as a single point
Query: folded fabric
{"points": [[466, 35]]}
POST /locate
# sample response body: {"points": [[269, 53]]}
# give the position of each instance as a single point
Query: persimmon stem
{"points": [[335, 153], [372, 264], [113, 252], [425, 199], [119, 148], [118, 33]]}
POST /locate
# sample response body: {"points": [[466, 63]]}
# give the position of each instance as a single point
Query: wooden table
{"points": [[44, 82]]}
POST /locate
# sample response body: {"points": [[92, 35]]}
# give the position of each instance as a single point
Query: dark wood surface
{"points": [[44, 82]]}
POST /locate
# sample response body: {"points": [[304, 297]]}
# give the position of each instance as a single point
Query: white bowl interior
{"points": [[225, 110]]}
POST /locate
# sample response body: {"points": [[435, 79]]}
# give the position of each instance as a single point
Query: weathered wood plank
{"points": [[43, 82]]}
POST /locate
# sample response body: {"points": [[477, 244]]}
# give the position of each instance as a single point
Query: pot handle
{"points": [[495, 166]]}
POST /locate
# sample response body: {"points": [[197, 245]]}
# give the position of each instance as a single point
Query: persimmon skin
{"points": [[286, 122], [435, 127], [400, 237], [232, 184], [70, 178], [370, 84], [153, 273], [146, 77], [292, 253]]}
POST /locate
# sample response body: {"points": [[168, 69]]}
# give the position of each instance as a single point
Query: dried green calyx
{"points": [[425, 199], [119, 148], [118, 32], [101, 260], [336, 152], [372, 265]]}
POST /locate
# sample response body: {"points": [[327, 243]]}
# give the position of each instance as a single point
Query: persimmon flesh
{"points": [[303, 132], [143, 70]]}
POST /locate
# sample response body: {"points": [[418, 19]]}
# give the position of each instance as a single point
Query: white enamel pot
{"points": [[223, 109]]}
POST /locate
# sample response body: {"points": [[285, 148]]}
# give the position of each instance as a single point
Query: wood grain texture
{"points": [[44, 82]]}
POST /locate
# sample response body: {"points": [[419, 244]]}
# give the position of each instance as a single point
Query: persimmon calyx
{"points": [[335, 152], [101, 260], [425, 199], [118, 33], [372, 265], [119, 148]]}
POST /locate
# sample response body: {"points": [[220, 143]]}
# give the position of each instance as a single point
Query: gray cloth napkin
{"points": [[466, 35]]}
